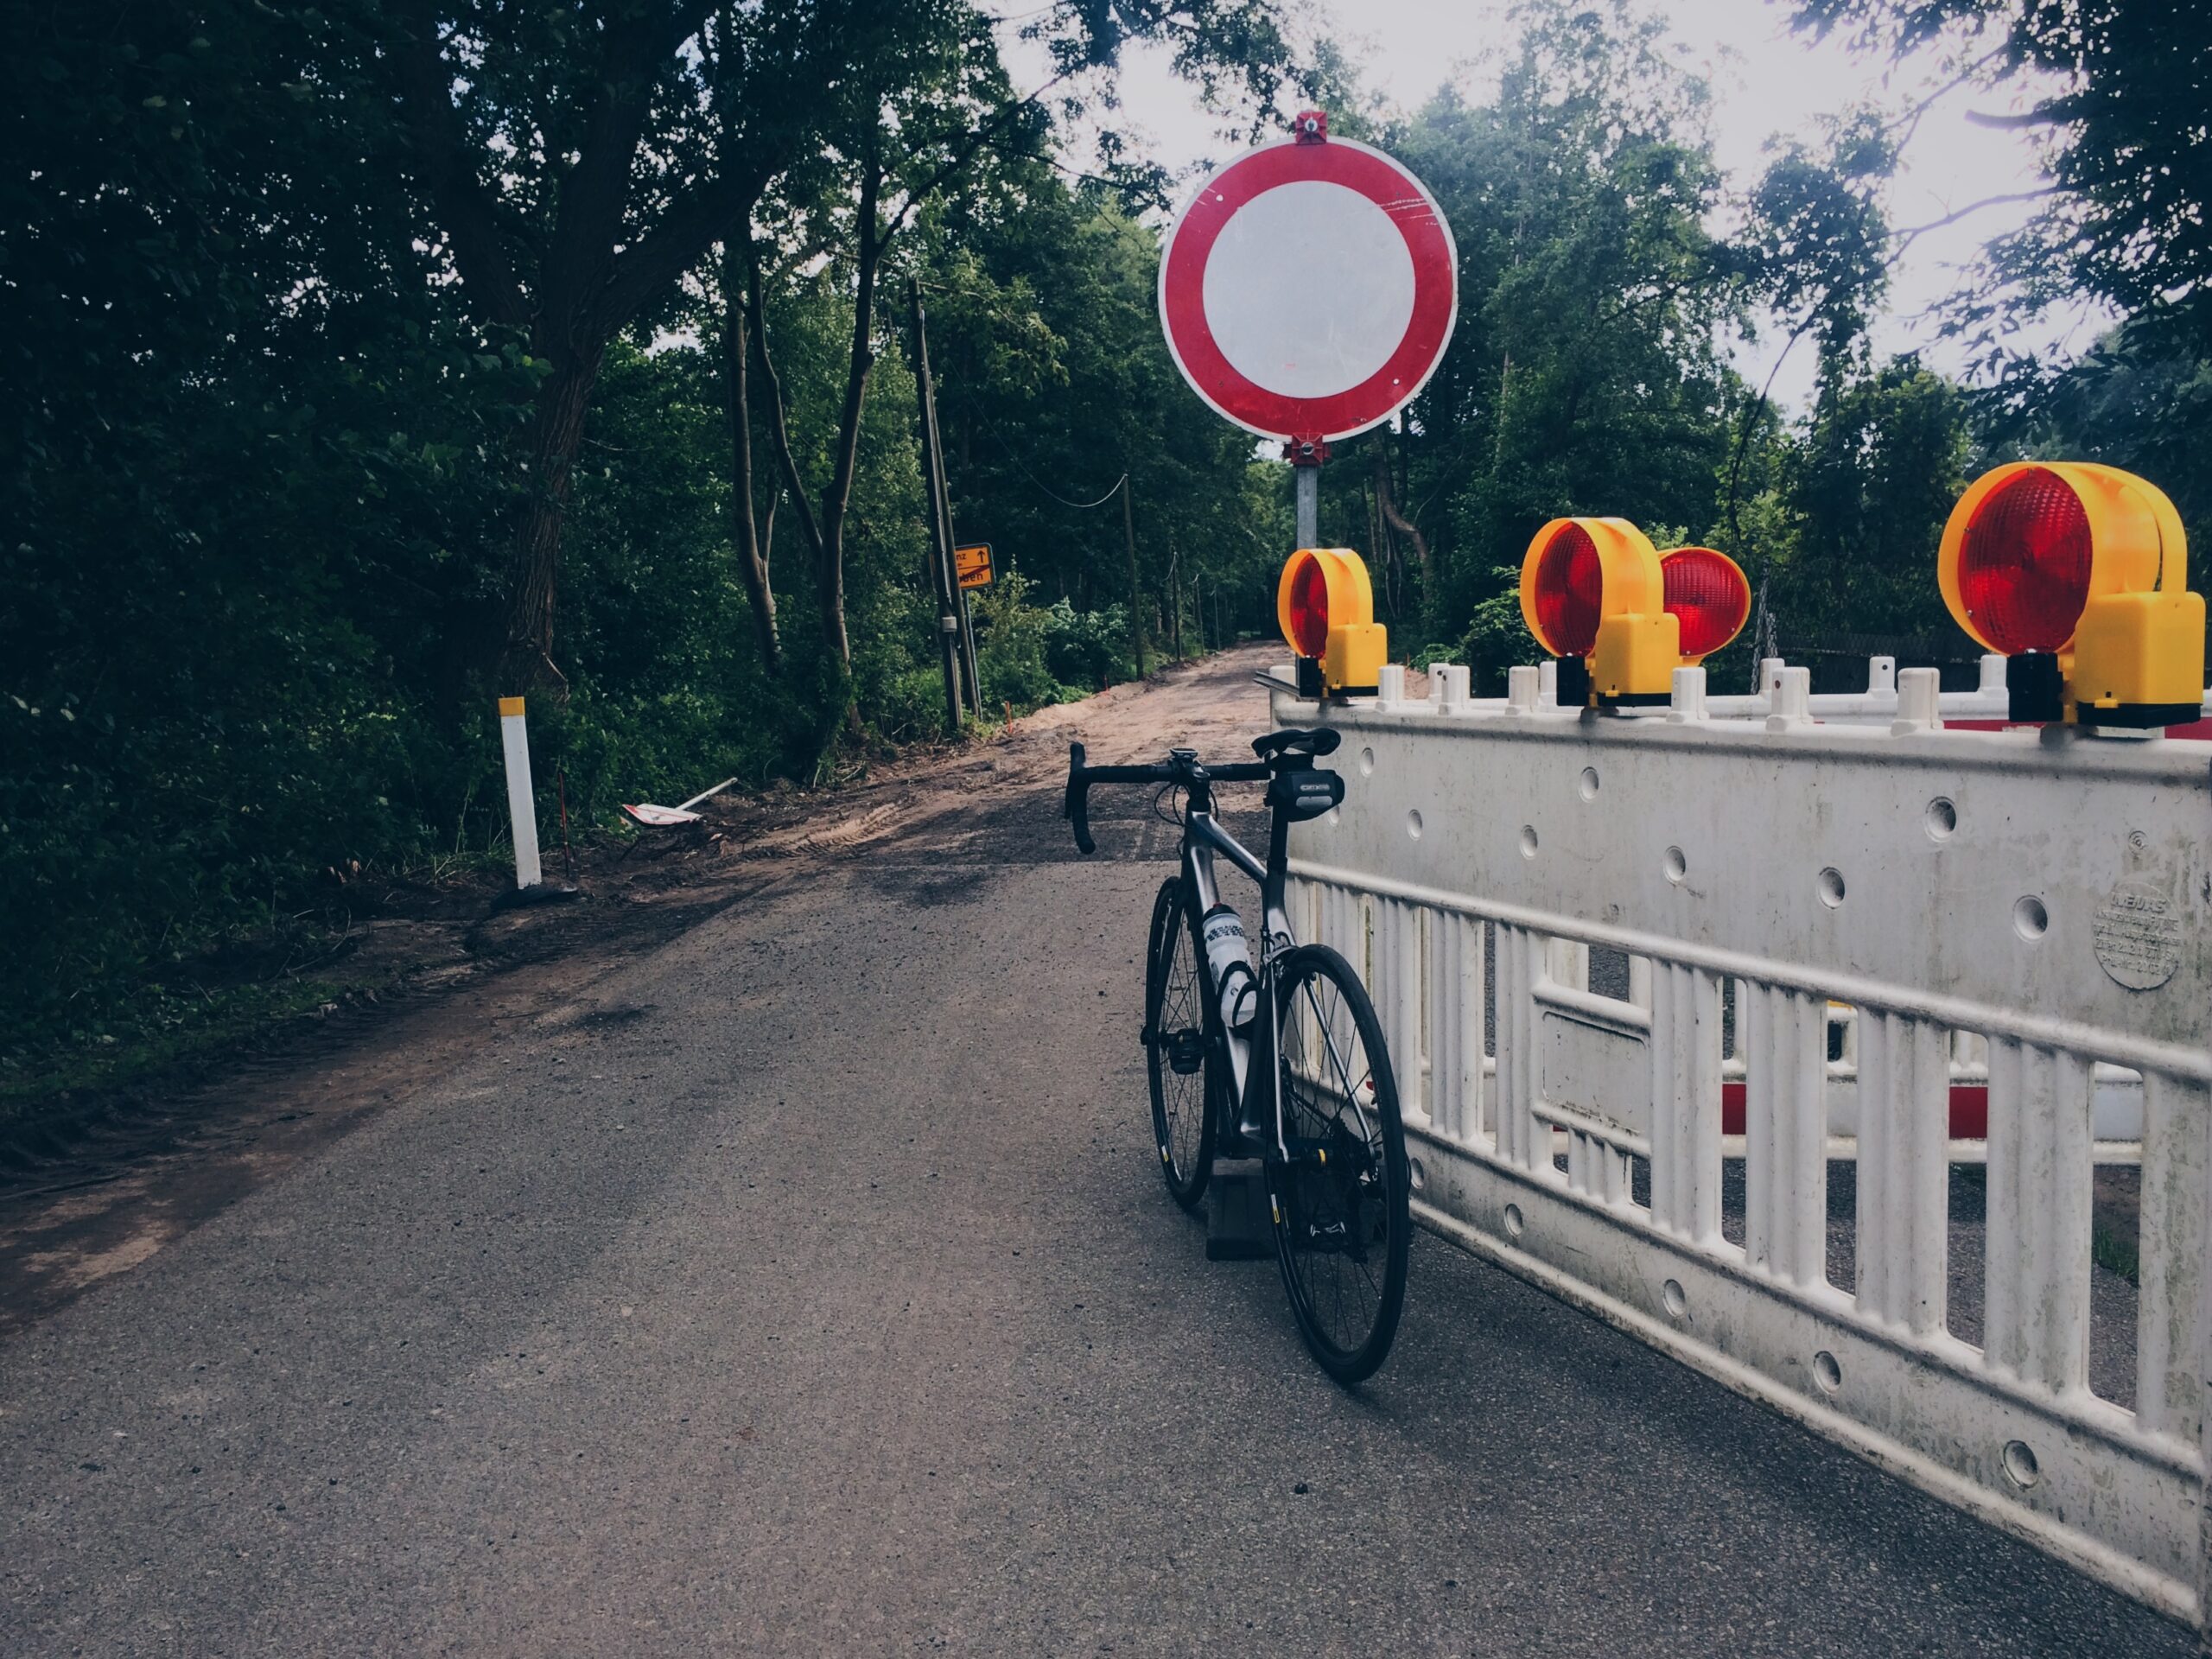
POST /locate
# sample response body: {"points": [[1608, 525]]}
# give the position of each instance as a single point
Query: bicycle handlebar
{"points": [[1075, 806]]}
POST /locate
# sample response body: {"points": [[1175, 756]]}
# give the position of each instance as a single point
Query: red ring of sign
{"points": [[1182, 290]]}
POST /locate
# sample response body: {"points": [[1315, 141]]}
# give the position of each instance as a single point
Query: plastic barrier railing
{"points": [[2017, 915], [2116, 1101], [1983, 708]]}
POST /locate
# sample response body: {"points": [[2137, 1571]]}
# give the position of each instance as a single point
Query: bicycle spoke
{"points": [[1181, 1102], [1351, 1090], [1330, 1104]]}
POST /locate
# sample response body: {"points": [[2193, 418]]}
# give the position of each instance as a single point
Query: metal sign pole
{"points": [[1305, 457]]}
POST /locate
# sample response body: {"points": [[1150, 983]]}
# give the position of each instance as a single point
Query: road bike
{"points": [[1283, 1061]]}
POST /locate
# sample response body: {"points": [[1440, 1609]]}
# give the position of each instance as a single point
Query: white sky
{"points": [[1767, 81]]}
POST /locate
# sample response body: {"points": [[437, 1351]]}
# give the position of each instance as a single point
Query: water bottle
{"points": [[1231, 962]]}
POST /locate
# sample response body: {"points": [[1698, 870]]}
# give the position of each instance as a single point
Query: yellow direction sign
{"points": [[973, 565]]}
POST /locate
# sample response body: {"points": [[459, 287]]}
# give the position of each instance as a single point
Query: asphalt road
{"points": [[810, 1289]]}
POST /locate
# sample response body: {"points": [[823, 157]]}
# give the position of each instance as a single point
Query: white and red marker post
{"points": [[1308, 291]]}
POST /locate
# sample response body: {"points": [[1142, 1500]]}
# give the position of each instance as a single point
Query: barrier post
{"points": [[522, 801]]}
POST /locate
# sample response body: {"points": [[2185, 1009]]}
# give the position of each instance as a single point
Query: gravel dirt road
{"points": [[802, 1283]]}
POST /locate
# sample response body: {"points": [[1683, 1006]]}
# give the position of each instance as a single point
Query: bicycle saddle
{"points": [[1315, 741]]}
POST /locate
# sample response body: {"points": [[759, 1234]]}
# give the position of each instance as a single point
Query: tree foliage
{"points": [[2121, 132]]}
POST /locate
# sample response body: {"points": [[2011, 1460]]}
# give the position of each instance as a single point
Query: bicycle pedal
{"points": [[1240, 1226]]}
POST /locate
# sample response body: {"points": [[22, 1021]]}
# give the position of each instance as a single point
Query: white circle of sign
{"points": [[1301, 250]]}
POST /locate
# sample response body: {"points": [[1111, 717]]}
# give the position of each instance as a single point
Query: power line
{"points": [[1112, 490]]}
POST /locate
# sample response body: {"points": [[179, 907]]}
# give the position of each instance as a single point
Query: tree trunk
{"points": [[1175, 598], [1405, 527], [526, 653], [830, 560], [825, 533], [753, 549], [830, 576]]}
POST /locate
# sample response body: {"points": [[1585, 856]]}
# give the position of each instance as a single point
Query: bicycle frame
{"points": [[1203, 840]]}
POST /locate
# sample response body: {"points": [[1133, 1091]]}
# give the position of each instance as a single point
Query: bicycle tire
{"points": [[1175, 1023], [1343, 1199]]}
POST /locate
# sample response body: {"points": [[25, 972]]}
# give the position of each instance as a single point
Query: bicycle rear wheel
{"points": [[1177, 1051], [1342, 1227]]}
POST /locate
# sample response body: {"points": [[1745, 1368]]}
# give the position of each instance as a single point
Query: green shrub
{"points": [[1088, 649], [1010, 646]]}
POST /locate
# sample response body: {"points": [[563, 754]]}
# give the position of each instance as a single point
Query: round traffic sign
{"points": [[1308, 288]]}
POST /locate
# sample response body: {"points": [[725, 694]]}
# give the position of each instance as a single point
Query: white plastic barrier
{"points": [[1986, 705], [2027, 907]]}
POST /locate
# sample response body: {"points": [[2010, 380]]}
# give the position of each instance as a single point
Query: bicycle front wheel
{"points": [[1177, 1052], [1343, 1225]]}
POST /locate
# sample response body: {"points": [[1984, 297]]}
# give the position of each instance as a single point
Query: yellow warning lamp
{"points": [[1592, 592], [1708, 595], [2079, 574], [1326, 607]]}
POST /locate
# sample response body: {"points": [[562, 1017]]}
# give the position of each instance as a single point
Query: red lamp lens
{"points": [[1569, 584], [1707, 594], [2023, 563], [1309, 609]]}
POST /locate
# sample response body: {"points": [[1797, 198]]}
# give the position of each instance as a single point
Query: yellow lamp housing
{"points": [[1325, 606], [1592, 594], [2078, 573]]}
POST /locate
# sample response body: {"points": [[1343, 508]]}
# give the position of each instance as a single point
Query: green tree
{"points": [[2125, 217], [266, 451], [1583, 375], [1883, 458], [249, 457], [575, 164], [2135, 400]]}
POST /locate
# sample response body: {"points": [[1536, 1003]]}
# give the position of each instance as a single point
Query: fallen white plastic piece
{"points": [[668, 817], [658, 818]]}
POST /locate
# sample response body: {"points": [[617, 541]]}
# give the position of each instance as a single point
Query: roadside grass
{"points": [[207, 1003], [161, 1029], [2115, 1254]]}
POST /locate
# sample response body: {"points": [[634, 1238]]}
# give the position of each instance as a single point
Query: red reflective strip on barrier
{"points": [[1969, 1111], [2197, 731]]}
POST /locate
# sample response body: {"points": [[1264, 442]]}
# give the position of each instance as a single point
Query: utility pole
{"points": [[943, 498], [941, 576], [1136, 592]]}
